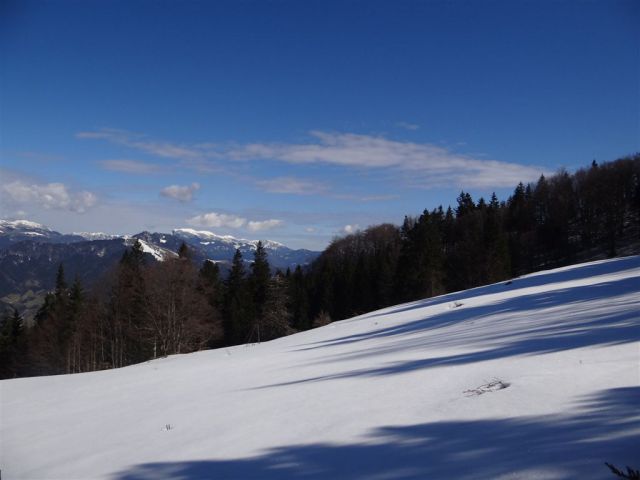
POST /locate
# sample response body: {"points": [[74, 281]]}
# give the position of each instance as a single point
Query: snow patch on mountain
{"points": [[158, 253], [22, 224], [96, 235], [206, 238]]}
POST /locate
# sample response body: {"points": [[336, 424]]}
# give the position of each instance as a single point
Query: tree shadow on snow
{"points": [[605, 427], [580, 325], [522, 303]]}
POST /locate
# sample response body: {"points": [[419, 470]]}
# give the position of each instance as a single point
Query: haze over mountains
{"points": [[30, 254]]}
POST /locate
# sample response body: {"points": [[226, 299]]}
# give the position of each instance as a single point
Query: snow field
{"points": [[381, 395]]}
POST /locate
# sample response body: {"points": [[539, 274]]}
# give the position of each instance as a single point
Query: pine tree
{"points": [[298, 296], [70, 332], [12, 345], [184, 251], [211, 284], [126, 311], [61, 285], [276, 316], [238, 308], [259, 284], [212, 288], [49, 338]]}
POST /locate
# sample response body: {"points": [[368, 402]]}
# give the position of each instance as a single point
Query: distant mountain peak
{"points": [[96, 235], [23, 225], [206, 235]]}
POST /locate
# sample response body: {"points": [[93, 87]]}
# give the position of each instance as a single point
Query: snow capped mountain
{"points": [[15, 231], [206, 245], [536, 378], [12, 231], [158, 253], [205, 237], [223, 247], [95, 235], [22, 225]]}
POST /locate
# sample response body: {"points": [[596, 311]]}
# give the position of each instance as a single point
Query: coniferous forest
{"points": [[143, 310]]}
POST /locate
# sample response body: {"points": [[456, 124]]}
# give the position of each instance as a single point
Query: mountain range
{"points": [[30, 254]]}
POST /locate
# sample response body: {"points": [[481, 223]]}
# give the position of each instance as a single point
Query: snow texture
{"points": [[380, 396]]}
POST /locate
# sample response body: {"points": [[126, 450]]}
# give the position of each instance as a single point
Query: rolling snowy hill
{"points": [[537, 378]]}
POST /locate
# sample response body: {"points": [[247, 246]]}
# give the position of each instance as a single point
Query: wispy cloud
{"points": [[40, 157], [367, 198], [47, 195], [424, 165], [223, 220], [144, 144], [408, 126], [291, 185], [132, 166], [182, 193]]}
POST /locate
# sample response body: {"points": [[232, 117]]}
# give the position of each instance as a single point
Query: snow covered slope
{"points": [[536, 379]]}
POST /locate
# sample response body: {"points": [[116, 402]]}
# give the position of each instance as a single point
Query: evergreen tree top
{"points": [[184, 251], [61, 283]]}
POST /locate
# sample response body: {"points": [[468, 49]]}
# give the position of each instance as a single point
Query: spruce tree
{"points": [[237, 303], [61, 284], [298, 296], [12, 345], [184, 251], [259, 284], [276, 316]]}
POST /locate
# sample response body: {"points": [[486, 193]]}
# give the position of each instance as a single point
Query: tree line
{"points": [[144, 310]]}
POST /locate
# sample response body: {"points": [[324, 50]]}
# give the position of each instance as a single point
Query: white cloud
{"points": [[256, 226], [49, 196], [349, 229], [131, 166], [182, 193], [292, 185], [223, 220], [423, 164], [213, 219]]}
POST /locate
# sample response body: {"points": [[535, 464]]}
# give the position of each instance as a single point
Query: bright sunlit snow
{"points": [[537, 379]]}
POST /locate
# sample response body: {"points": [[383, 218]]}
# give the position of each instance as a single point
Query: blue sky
{"points": [[298, 121]]}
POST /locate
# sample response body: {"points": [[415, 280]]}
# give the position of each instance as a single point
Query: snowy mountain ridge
{"points": [[206, 236], [97, 235], [535, 378], [24, 225], [12, 231]]}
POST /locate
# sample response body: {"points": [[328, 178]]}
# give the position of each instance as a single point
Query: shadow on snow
{"points": [[519, 303], [581, 325], [605, 427]]}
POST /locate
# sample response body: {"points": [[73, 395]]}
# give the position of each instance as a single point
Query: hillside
{"points": [[537, 378]]}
